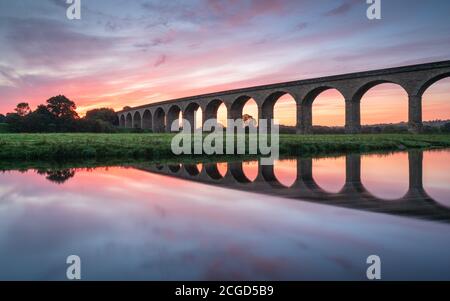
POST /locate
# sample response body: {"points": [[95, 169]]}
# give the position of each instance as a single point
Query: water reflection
{"points": [[436, 175], [359, 182], [286, 171], [394, 168], [211, 222], [328, 173], [59, 176]]}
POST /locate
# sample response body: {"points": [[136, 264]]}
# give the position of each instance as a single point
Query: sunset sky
{"points": [[132, 53]]}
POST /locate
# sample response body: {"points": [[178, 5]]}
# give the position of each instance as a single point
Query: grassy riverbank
{"points": [[157, 146]]}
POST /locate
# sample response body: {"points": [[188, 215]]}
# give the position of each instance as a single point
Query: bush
{"points": [[4, 128], [445, 128]]}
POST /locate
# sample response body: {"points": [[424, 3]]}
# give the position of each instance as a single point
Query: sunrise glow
{"points": [[152, 51]]}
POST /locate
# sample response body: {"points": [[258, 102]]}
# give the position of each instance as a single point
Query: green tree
{"points": [[15, 122], [446, 128], [61, 107], [2, 118], [23, 109], [103, 114], [41, 120]]}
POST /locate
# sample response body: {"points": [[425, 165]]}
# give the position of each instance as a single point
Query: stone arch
{"points": [[122, 121], [129, 121], [428, 83], [305, 115], [190, 113], [268, 106], [370, 85], [172, 115], [434, 99], [159, 121], [211, 110], [147, 121], [238, 106], [364, 90], [137, 120]]}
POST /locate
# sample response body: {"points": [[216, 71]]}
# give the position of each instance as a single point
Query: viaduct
{"points": [[414, 79]]}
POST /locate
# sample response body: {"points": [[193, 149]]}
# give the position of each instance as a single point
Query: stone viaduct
{"points": [[415, 203], [414, 79]]}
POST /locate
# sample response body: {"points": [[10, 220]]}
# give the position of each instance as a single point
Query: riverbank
{"points": [[157, 146]]}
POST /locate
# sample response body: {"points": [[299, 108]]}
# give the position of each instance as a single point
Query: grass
{"points": [[157, 146]]}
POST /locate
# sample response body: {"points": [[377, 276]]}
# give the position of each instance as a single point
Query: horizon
{"points": [[115, 57]]}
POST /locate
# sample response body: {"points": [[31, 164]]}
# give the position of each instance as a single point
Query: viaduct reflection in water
{"points": [[415, 203]]}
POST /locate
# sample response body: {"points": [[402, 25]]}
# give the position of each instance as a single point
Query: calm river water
{"points": [[304, 219]]}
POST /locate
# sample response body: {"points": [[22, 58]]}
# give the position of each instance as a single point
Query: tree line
{"points": [[59, 115]]}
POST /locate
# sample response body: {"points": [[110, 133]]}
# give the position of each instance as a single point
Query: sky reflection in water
{"points": [[126, 223]]}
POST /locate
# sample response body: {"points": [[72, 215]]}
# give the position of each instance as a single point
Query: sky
{"points": [[130, 53]]}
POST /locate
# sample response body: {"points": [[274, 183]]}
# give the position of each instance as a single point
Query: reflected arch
{"points": [[436, 176], [193, 169], [374, 169], [212, 171], [174, 168], [250, 170], [243, 172], [329, 174], [285, 171]]}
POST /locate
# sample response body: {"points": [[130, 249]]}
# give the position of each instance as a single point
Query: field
{"points": [[157, 146]]}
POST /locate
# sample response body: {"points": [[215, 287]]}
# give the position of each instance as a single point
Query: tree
{"points": [[103, 114], [23, 109], [61, 107], [248, 120], [15, 122], [446, 128], [41, 120], [59, 115]]}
